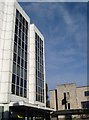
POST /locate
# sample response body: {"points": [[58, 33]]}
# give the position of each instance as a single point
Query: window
{"points": [[85, 104], [15, 57], [13, 89], [17, 14], [25, 65], [21, 82], [39, 69], [17, 80], [23, 45], [13, 79], [22, 53], [22, 62], [19, 51], [19, 72], [68, 105], [17, 90], [18, 60], [25, 93], [21, 91], [25, 83], [15, 48], [16, 30], [86, 93], [14, 68], [15, 38]]}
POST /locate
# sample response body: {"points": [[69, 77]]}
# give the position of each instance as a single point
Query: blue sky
{"points": [[64, 26]]}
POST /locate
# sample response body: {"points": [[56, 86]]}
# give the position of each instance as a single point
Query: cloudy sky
{"points": [[64, 26]]}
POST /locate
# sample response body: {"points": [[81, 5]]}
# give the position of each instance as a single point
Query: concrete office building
{"points": [[68, 96], [22, 63], [76, 97]]}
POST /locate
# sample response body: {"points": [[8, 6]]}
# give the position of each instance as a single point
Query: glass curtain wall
{"points": [[39, 69], [19, 72]]}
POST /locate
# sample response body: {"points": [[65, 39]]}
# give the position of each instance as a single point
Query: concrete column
{"points": [[6, 112], [1, 111]]}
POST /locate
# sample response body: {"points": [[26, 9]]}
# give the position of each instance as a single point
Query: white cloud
{"points": [[65, 41]]}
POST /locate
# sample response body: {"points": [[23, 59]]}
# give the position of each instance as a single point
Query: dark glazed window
{"points": [[13, 89], [39, 69], [86, 93], [85, 104], [19, 72], [13, 78]]}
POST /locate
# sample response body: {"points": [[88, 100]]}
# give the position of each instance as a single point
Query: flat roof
{"points": [[70, 112], [28, 105]]}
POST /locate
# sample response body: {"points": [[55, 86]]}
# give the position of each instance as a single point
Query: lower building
{"points": [[68, 96]]}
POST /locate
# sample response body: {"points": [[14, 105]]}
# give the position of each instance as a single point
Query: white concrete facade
{"points": [[7, 31], [32, 67]]}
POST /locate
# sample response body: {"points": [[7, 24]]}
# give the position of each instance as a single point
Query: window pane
{"points": [[21, 82], [16, 30], [26, 39], [17, 80], [21, 72], [14, 68], [26, 24], [25, 74], [19, 33], [13, 89], [15, 48], [15, 57], [17, 14], [21, 91], [18, 60], [17, 90], [25, 56], [22, 62], [13, 79], [26, 47], [19, 51], [25, 83], [23, 45], [19, 42], [25, 93], [86, 93], [20, 17], [17, 22], [15, 38], [22, 53], [25, 65], [18, 70], [23, 36]]}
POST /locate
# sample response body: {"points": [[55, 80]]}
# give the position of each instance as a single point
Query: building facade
{"points": [[22, 59], [37, 65], [68, 96]]}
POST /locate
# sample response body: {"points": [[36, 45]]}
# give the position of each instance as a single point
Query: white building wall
{"points": [[32, 82], [6, 37], [15, 98], [7, 27], [67, 88], [76, 96], [52, 99], [32, 67], [81, 95]]}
